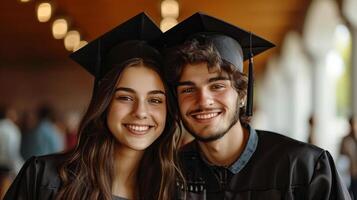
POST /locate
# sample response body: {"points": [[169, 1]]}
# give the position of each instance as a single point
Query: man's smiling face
{"points": [[208, 102]]}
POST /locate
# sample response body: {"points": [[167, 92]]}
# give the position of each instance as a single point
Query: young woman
{"points": [[127, 140]]}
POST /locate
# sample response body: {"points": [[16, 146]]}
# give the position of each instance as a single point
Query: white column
{"points": [[297, 73], [349, 8], [270, 99], [354, 70], [321, 21]]}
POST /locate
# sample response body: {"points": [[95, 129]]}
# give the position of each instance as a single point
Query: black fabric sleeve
{"points": [[25, 184], [326, 184]]}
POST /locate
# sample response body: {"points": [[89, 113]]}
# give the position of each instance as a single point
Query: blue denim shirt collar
{"points": [[243, 159], [249, 149]]}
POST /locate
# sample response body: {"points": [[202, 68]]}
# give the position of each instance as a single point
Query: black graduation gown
{"points": [[38, 179], [279, 168]]}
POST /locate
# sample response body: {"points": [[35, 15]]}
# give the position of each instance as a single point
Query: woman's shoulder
{"points": [[37, 179], [44, 169], [48, 161]]}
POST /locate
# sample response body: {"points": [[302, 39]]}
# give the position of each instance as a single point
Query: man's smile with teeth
{"points": [[205, 115]]}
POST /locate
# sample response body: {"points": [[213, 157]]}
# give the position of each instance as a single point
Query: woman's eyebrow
{"points": [[157, 92], [125, 89]]}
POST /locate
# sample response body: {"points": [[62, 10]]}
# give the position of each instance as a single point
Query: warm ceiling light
{"points": [[167, 23], [44, 12], [59, 28], [72, 40], [24, 1], [169, 8], [82, 43]]}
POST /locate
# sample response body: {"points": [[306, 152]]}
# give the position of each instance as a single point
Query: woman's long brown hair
{"points": [[88, 170]]}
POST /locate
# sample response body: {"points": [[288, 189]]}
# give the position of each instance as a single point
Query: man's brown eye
{"points": [[187, 90], [217, 86]]}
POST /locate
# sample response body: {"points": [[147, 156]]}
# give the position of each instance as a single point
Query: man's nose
{"points": [[205, 98]]}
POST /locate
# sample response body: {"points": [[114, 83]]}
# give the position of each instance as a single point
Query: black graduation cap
{"points": [[234, 44], [130, 39]]}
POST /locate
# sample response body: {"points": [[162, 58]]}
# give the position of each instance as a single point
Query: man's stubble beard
{"points": [[216, 135]]}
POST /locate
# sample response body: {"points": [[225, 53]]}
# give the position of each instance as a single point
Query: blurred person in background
{"points": [[72, 125], [349, 149], [61, 126], [311, 137], [10, 140], [48, 137], [28, 125]]}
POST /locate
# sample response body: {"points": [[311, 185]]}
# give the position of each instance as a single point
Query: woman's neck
{"points": [[126, 164]]}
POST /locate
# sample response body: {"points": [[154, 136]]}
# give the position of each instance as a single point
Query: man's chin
{"points": [[204, 133], [207, 137]]}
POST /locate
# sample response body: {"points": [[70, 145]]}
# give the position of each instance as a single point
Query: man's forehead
{"points": [[201, 70]]}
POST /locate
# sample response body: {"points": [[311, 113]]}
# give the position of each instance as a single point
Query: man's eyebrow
{"points": [[190, 83], [125, 89], [185, 83], [219, 78]]}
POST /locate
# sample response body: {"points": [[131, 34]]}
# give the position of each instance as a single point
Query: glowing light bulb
{"points": [[72, 40], [169, 8], [167, 23], [44, 12], [59, 28]]}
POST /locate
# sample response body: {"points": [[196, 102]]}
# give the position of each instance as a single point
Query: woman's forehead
{"points": [[140, 78]]}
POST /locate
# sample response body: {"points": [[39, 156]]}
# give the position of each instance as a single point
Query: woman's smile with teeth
{"points": [[137, 127], [205, 116]]}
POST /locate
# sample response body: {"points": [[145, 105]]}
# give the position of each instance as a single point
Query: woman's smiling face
{"points": [[137, 111]]}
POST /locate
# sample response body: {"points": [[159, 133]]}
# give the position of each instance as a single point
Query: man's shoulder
{"points": [[268, 142], [277, 144], [281, 139]]}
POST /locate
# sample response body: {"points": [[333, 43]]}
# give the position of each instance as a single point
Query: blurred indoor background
{"points": [[305, 88]]}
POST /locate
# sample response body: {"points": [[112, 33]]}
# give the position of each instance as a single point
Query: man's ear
{"points": [[242, 100]]}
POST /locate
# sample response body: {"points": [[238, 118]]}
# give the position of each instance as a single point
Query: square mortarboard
{"points": [[130, 39], [215, 29], [233, 43]]}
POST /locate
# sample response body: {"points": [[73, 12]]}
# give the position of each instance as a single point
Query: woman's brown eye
{"points": [[125, 98], [155, 101]]}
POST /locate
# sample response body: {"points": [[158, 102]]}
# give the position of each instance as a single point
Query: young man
{"points": [[228, 158]]}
